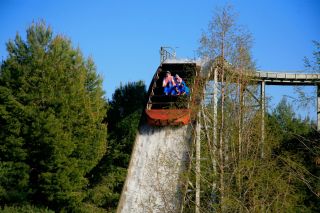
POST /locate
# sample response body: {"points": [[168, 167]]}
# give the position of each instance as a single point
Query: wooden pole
{"points": [[263, 109], [215, 104], [198, 170]]}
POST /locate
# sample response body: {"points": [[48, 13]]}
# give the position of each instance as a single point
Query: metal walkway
{"points": [[281, 78], [289, 79]]}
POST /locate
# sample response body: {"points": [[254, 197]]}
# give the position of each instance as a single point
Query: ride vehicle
{"points": [[164, 110]]}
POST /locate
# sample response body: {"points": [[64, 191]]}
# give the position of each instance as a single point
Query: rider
{"points": [[168, 83], [180, 88]]}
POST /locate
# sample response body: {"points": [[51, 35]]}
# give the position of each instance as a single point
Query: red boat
{"points": [[164, 110]]}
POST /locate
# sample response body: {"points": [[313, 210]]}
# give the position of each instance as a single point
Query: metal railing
{"points": [[165, 54]]}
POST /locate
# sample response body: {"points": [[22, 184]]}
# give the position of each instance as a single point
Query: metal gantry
{"points": [[289, 79]]}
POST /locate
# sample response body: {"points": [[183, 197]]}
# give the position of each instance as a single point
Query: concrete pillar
{"points": [[318, 107], [263, 111]]}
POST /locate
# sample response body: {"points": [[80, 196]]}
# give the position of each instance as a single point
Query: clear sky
{"points": [[124, 37]]}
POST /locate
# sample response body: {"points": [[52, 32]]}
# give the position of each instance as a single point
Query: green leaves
{"points": [[14, 181], [51, 112], [108, 177], [296, 153]]}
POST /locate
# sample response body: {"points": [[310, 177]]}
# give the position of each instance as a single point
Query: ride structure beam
{"points": [[286, 78], [290, 79]]}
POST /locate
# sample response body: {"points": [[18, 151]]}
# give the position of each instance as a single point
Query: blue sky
{"points": [[124, 37]]}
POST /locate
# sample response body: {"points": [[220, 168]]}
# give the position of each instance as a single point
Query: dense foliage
{"points": [[51, 112], [123, 120], [25, 209], [298, 153]]}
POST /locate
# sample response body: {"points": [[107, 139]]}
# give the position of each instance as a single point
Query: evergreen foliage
{"points": [[123, 119], [25, 209], [51, 112], [125, 110], [297, 152]]}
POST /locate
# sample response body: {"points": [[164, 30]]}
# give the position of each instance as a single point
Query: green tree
{"points": [[284, 117], [25, 209], [297, 152], [123, 118], [51, 112]]}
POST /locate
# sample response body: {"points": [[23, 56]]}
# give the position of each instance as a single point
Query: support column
{"points": [[198, 129], [318, 107], [263, 109], [161, 55], [215, 135], [215, 106]]}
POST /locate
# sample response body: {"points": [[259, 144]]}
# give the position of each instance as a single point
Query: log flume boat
{"points": [[172, 110]]}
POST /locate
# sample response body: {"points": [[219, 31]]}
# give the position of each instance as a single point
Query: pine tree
{"points": [[51, 112], [297, 153], [123, 118]]}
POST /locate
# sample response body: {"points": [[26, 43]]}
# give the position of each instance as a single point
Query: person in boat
{"points": [[181, 87], [168, 83]]}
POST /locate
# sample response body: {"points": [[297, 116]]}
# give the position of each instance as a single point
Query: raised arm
{"points": [[164, 82]]}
